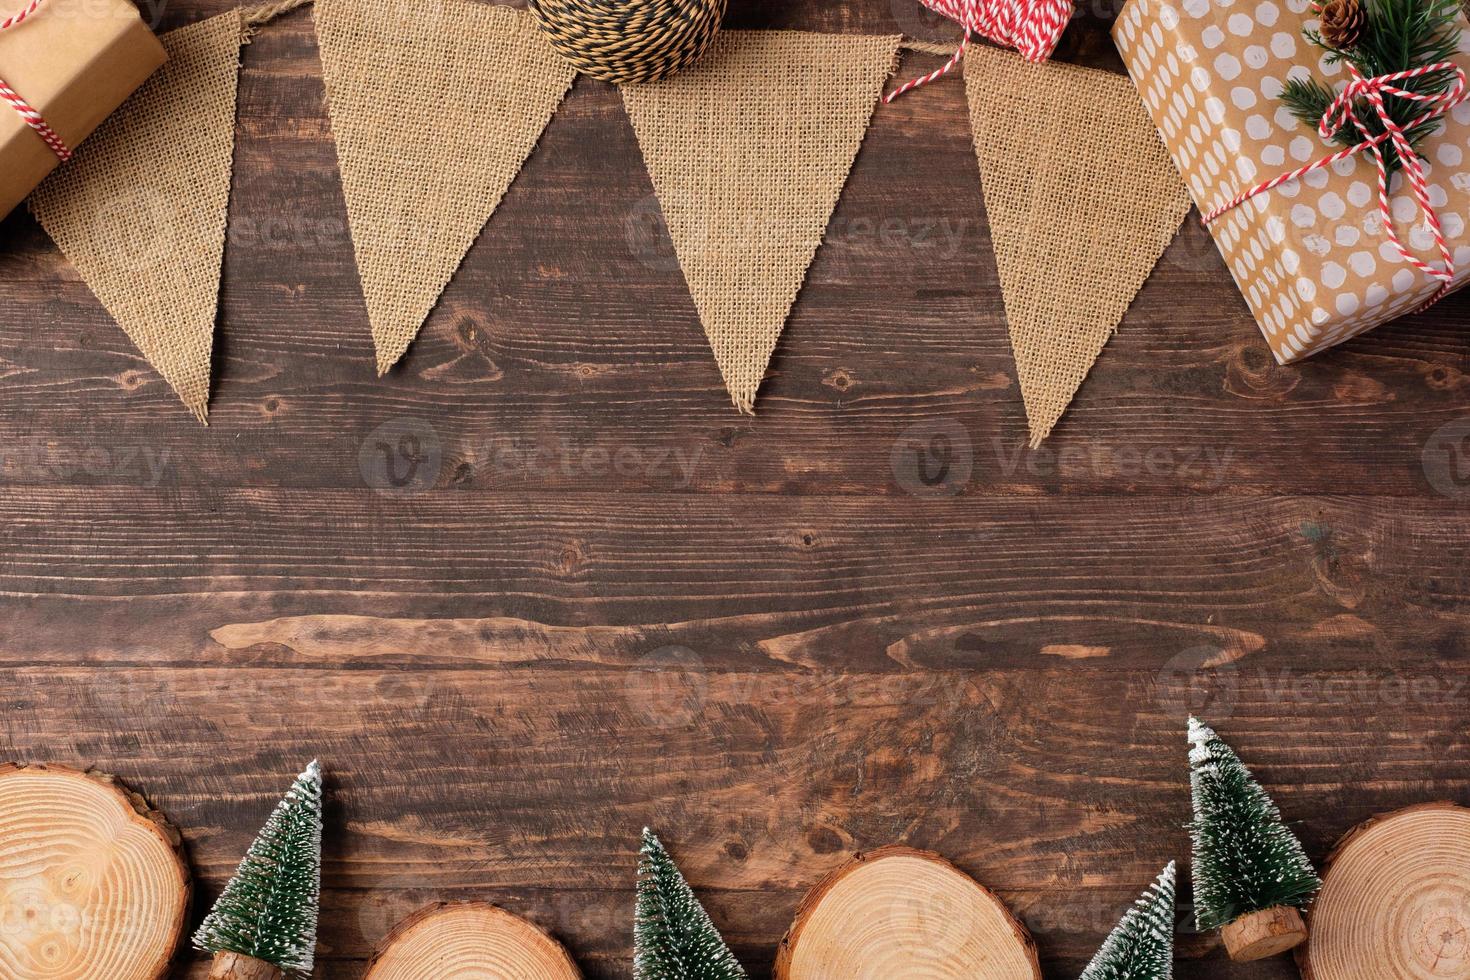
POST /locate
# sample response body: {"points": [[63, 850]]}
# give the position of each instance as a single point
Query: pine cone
{"points": [[1342, 22]]}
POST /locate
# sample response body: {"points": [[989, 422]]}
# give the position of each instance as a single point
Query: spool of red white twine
{"points": [[32, 118], [1032, 27]]}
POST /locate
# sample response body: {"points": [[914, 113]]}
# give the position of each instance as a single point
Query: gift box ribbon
{"points": [[32, 118], [1032, 27], [1343, 111]]}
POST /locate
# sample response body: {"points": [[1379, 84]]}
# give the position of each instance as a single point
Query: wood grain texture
{"points": [[598, 598], [1393, 898], [94, 881], [899, 911], [466, 939]]}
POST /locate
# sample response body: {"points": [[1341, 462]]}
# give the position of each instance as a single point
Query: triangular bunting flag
{"points": [[434, 110], [140, 209], [748, 151], [1082, 200]]}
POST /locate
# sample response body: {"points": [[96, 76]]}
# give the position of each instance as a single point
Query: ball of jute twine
{"points": [[630, 40]]}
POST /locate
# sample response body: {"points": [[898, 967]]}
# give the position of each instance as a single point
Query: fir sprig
{"points": [[673, 937], [1245, 859], [1398, 35], [269, 909]]}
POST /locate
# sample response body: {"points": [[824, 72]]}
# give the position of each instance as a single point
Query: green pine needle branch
{"points": [[1398, 35]]}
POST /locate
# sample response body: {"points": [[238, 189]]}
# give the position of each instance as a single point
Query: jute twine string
{"points": [[264, 13], [267, 12], [926, 47]]}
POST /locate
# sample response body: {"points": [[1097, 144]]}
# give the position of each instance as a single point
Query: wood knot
{"points": [[569, 561], [1251, 372], [822, 840], [839, 379], [1442, 377], [132, 380]]}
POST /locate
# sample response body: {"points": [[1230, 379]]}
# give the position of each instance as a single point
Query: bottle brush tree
{"points": [[1141, 945], [673, 937], [1251, 875], [264, 923]]}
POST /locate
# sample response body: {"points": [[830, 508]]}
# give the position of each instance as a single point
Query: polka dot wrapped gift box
{"points": [[1313, 255]]}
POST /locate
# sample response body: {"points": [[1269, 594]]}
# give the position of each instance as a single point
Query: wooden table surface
{"points": [[604, 599]]}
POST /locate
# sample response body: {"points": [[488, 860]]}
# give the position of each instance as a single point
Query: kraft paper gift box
{"points": [[74, 62], [1310, 257]]}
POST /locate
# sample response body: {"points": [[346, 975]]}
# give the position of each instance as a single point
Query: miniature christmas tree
{"points": [[1250, 872], [673, 937], [1141, 945], [267, 913]]}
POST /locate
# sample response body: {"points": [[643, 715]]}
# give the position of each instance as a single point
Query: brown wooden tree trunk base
{"points": [[1395, 900], [470, 939], [1269, 932], [898, 912], [237, 966], [93, 885]]}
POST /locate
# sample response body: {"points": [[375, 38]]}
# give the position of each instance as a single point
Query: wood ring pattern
{"points": [[92, 882], [630, 40], [1395, 900], [901, 912], [470, 939]]}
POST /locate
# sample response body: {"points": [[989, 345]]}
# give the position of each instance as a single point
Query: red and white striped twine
{"points": [[32, 118], [1032, 27], [1341, 112]]}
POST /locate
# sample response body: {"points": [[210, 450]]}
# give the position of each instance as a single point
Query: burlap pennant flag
{"points": [[1081, 199], [140, 209], [748, 151], [434, 108]]}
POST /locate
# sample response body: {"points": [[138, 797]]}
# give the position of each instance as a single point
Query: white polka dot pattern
{"points": [[1310, 257]]}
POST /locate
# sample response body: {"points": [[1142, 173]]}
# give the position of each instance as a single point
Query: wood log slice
{"points": [[1395, 900], [92, 880], [466, 940], [899, 912]]}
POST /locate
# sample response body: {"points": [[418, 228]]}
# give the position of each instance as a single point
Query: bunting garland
{"points": [[1081, 200], [748, 152], [140, 208], [420, 184]]}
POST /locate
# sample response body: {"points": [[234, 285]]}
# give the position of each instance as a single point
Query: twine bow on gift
{"points": [[1342, 111], [1032, 27], [32, 118]]}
